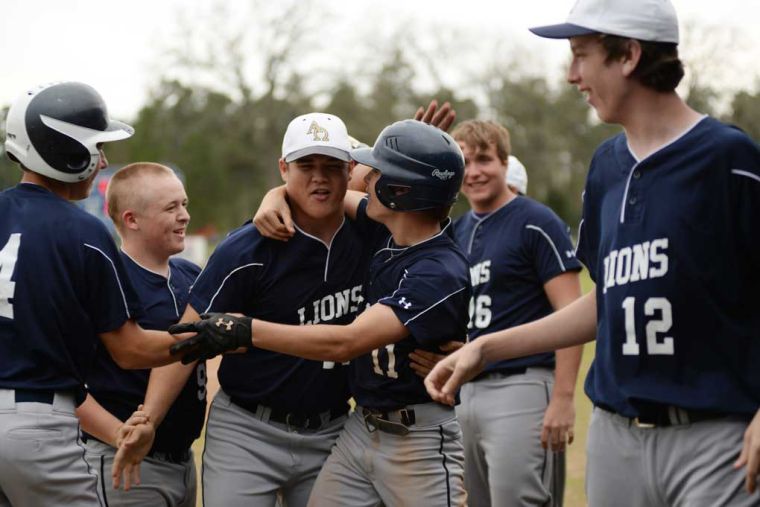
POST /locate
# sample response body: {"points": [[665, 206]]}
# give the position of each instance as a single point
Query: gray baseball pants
{"points": [[505, 465], [687, 465], [369, 467], [41, 456], [248, 459], [162, 484]]}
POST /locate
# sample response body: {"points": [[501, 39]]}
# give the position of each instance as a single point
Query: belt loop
{"points": [[7, 398]]}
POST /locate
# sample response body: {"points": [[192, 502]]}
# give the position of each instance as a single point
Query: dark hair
{"points": [[659, 67]]}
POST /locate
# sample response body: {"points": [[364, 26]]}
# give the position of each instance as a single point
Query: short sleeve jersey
{"points": [[513, 251], [427, 286], [62, 283], [301, 281], [672, 243], [121, 391]]}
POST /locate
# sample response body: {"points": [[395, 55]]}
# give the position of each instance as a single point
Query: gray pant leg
{"points": [[247, 461], [505, 464], [161, 483], [367, 469], [41, 458], [680, 466]]}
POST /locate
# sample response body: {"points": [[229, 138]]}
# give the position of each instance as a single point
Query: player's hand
{"points": [[138, 417], [273, 218], [454, 370], [216, 334], [559, 421], [441, 118], [423, 361], [750, 455], [131, 452]]}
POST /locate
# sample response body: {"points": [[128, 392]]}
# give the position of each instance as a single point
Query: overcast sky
{"points": [[114, 45]]}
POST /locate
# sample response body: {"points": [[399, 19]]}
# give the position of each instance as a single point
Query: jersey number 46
{"points": [[8, 256]]}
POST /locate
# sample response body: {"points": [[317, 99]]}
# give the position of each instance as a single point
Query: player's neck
{"points": [[62, 190], [656, 119], [145, 258], [410, 228], [323, 228], [491, 205]]}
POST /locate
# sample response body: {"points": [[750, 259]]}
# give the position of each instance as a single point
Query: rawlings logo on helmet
{"points": [[442, 175]]}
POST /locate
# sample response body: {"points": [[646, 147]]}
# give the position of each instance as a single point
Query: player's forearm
{"points": [[568, 362], [322, 342], [133, 347], [164, 386], [573, 325], [97, 421]]}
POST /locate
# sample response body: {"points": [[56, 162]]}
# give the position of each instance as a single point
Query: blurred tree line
{"points": [[223, 126]]}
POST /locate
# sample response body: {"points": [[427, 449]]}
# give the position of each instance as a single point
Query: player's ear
{"points": [[631, 57], [283, 170], [129, 219]]}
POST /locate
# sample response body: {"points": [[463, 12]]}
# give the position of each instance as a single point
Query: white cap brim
{"points": [[329, 151]]}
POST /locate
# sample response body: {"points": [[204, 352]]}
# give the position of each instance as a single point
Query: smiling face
{"points": [[163, 217], [484, 182], [603, 82], [316, 186]]}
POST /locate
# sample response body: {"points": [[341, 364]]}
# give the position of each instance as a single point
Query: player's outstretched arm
{"points": [[559, 418], [575, 324], [133, 347], [750, 455], [219, 333]]}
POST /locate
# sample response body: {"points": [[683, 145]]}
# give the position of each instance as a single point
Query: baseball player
{"points": [[398, 447], [148, 205], [276, 416], [669, 234], [62, 284], [517, 176], [522, 267]]}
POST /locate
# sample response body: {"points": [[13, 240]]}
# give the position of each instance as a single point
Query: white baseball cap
{"points": [[316, 133], [645, 20], [517, 176]]}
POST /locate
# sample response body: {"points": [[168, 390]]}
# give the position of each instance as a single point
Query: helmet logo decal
{"points": [[442, 175], [320, 133]]}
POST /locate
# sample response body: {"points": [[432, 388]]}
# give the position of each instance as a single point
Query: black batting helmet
{"points": [[54, 130], [419, 157]]}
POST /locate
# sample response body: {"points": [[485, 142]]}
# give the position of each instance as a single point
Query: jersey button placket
{"points": [[634, 203]]}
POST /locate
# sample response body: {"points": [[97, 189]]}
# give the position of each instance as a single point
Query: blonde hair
{"points": [[124, 192], [480, 134]]}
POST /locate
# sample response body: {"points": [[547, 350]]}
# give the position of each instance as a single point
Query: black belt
{"points": [[508, 372], [176, 457], [29, 396], [653, 415], [291, 419]]}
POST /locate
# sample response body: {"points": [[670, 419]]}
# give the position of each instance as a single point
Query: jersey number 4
{"points": [[8, 256], [655, 346]]}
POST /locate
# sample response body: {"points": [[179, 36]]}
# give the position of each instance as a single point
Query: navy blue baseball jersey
{"points": [[427, 286], [301, 281], [121, 391], [513, 252], [62, 283], [672, 243]]}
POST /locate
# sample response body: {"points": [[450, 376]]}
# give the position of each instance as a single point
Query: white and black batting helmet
{"points": [[54, 130]]}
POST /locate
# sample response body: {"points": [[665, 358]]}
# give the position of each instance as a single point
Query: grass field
{"points": [[576, 456]]}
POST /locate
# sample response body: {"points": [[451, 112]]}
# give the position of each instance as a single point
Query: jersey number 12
{"points": [[655, 345], [8, 256]]}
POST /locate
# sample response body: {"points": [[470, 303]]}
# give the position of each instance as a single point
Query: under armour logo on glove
{"points": [[216, 334], [220, 323]]}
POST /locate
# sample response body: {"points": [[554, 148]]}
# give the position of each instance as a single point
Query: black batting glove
{"points": [[216, 334]]}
